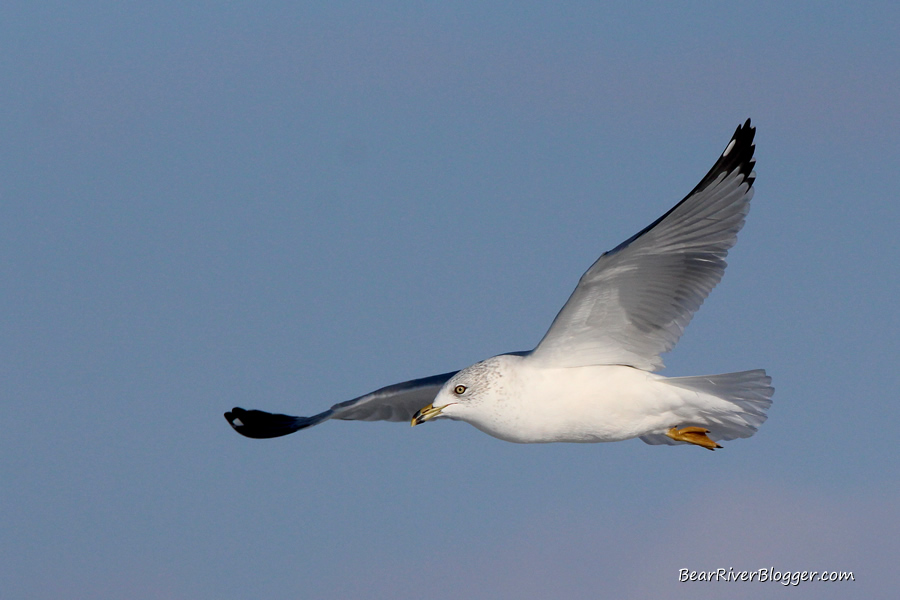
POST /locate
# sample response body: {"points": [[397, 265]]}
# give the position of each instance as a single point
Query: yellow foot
{"points": [[693, 435]]}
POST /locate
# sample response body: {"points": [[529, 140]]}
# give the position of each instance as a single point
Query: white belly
{"points": [[583, 404]]}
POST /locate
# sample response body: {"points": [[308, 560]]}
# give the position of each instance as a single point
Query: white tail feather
{"points": [[747, 396]]}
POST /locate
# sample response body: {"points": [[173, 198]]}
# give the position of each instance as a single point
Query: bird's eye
{"points": [[459, 390]]}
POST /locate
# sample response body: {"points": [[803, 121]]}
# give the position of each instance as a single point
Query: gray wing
{"points": [[398, 402], [634, 303]]}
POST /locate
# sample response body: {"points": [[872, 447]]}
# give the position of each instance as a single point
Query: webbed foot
{"points": [[693, 435]]}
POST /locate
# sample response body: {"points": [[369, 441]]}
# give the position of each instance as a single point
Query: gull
{"points": [[591, 378]]}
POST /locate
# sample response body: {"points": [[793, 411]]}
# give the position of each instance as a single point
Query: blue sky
{"points": [[282, 206]]}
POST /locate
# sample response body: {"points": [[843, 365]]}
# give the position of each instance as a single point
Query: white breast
{"points": [[579, 404]]}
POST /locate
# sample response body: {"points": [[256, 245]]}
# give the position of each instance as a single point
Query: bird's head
{"points": [[471, 395]]}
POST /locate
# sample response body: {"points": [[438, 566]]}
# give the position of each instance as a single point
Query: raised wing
{"points": [[634, 303], [398, 402]]}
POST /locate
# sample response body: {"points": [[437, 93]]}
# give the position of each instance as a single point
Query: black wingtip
{"points": [[260, 425], [738, 154]]}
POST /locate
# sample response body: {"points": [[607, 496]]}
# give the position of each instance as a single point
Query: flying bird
{"points": [[591, 378]]}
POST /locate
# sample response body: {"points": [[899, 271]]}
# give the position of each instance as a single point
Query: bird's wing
{"points": [[398, 402], [635, 301]]}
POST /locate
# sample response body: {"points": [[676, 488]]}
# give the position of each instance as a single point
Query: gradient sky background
{"points": [[282, 207]]}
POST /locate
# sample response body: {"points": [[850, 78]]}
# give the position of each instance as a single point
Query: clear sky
{"points": [[285, 205]]}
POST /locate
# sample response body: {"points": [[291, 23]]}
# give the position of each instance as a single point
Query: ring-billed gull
{"points": [[591, 379]]}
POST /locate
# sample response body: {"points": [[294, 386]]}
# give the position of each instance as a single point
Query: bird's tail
{"points": [[747, 396]]}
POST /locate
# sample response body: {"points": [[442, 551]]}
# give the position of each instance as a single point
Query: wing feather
{"points": [[635, 301], [398, 402]]}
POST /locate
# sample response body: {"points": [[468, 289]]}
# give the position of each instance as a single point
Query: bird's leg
{"points": [[693, 435]]}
